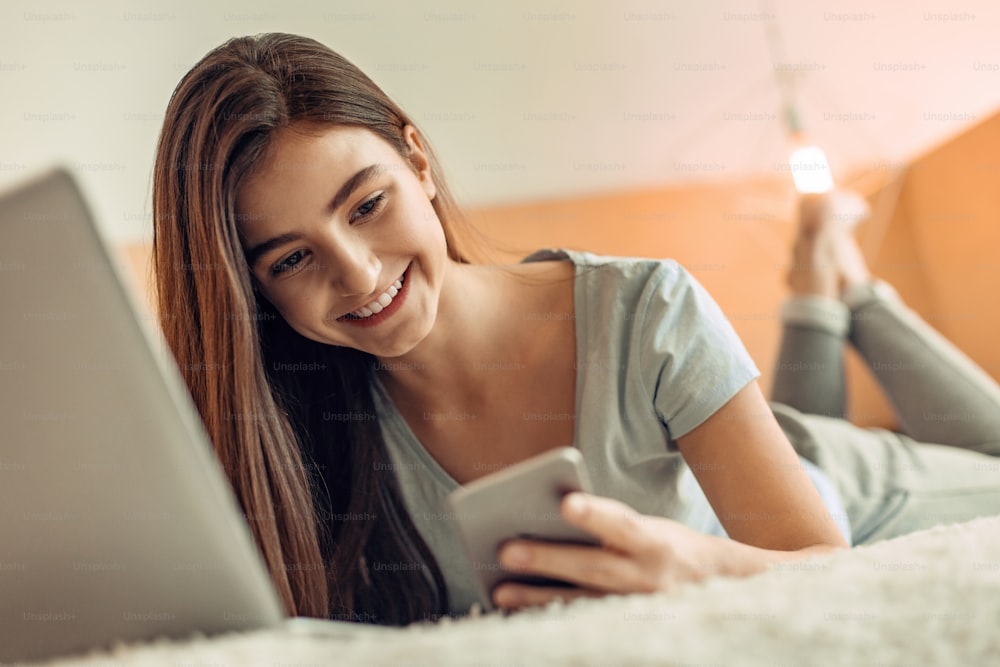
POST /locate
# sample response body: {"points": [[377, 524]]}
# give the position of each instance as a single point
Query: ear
{"points": [[419, 161]]}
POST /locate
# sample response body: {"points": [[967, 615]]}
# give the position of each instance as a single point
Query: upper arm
{"points": [[703, 386], [692, 360], [753, 478]]}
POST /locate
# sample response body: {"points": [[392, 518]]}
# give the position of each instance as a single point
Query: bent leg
{"points": [[938, 393], [809, 373], [810, 370], [936, 485], [889, 484]]}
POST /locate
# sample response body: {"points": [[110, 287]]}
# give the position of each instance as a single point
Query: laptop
{"points": [[117, 522]]}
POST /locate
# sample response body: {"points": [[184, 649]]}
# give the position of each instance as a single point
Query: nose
{"points": [[354, 268]]}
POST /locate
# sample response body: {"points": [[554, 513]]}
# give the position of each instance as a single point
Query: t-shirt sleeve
{"points": [[693, 362]]}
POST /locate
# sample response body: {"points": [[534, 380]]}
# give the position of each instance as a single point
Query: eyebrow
{"points": [[363, 176]]}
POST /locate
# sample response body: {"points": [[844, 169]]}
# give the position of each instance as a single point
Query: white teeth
{"points": [[383, 300]]}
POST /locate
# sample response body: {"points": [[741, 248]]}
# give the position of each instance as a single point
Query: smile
{"points": [[381, 307]]}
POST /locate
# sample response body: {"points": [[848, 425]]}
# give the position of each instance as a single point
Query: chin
{"points": [[398, 348], [404, 345], [392, 353]]}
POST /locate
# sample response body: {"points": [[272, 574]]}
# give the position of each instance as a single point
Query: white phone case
{"points": [[519, 501]]}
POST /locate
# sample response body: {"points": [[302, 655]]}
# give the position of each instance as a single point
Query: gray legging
{"points": [[891, 483]]}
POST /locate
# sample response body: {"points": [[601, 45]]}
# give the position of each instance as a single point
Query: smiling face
{"points": [[342, 239]]}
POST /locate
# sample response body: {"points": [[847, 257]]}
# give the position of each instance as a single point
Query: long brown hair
{"points": [[292, 421]]}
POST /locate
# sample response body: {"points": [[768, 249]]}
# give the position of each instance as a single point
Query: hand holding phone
{"points": [[521, 501]]}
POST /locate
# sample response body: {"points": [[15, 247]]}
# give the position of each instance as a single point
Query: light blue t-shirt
{"points": [[655, 358]]}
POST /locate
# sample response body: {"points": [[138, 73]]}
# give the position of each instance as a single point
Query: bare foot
{"points": [[826, 259]]}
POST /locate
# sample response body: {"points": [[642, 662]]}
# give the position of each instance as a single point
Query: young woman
{"points": [[352, 367]]}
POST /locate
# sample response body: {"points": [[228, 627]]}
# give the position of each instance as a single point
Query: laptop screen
{"points": [[117, 520]]}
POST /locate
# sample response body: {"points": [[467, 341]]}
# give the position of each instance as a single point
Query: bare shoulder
{"points": [[547, 284], [542, 273], [537, 291]]}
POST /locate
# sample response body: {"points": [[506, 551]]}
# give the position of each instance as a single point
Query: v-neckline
{"points": [[412, 442]]}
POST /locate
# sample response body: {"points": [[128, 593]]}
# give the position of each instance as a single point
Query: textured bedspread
{"points": [[931, 598]]}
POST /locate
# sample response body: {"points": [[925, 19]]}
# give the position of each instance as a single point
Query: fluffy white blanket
{"points": [[930, 598]]}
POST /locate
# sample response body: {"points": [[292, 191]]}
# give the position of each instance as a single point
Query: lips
{"points": [[381, 307]]}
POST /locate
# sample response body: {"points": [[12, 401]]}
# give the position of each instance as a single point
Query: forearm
{"points": [[639, 554], [729, 558]]}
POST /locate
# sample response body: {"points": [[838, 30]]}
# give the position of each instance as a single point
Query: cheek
{"points": [[421, 213], [293, 307], [412, 229], [430, 229]]}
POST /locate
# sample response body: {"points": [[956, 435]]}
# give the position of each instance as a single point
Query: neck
{"points": [[484, 319]]}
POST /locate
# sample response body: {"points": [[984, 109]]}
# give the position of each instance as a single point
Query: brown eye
{"points": [[288, 263], [370, 207]]}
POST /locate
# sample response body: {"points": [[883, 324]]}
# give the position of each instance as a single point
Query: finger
{"points": [[584, 566], [519, 596], [616, 524]]}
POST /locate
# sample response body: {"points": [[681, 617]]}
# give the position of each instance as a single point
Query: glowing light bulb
{"points": [[810, 170]]}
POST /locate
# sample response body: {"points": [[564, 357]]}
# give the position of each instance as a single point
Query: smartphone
{"points": [[521, 501]]}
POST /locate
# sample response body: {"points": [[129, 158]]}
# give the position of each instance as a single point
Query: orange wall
{"points": [[731, 237], [951, 201], [734, 237], [934, 235]]}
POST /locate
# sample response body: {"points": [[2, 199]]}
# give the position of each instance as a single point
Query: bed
{"points": [[928, 598]]}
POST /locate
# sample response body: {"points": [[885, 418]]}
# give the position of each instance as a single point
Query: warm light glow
{"points": [[810, 170]]}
